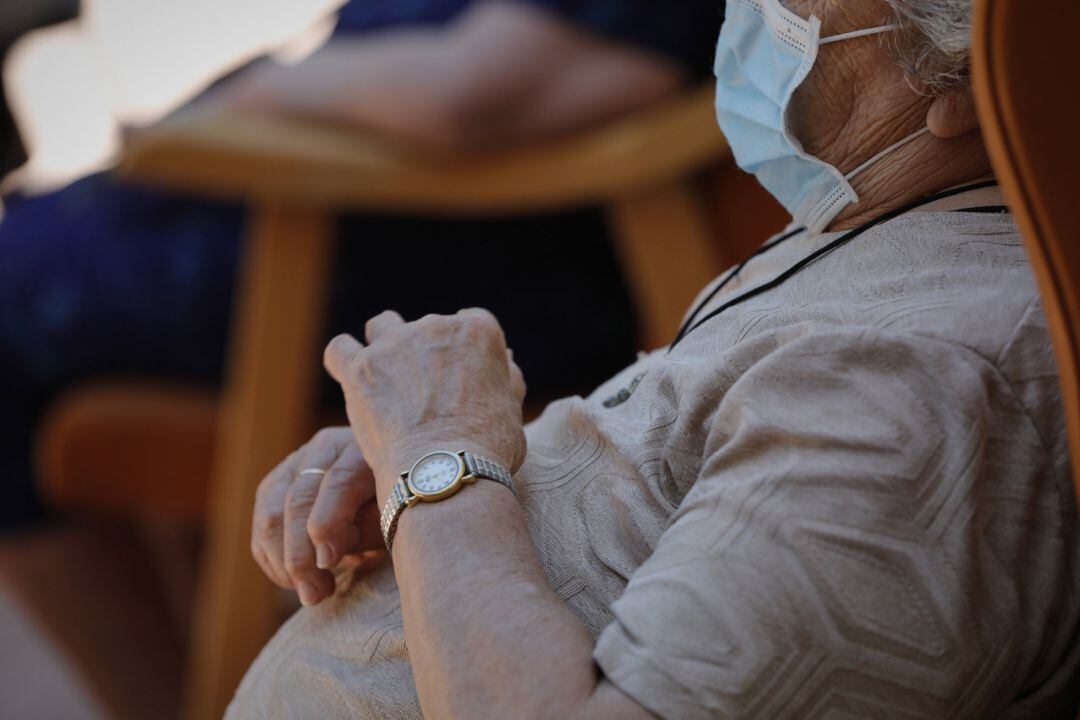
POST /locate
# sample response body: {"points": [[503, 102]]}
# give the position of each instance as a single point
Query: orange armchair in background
{"points": [[296, 176], [130, 450], [1026, 73]]}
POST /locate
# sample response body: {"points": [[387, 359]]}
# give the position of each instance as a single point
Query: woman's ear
{"points": [[953, 115]]}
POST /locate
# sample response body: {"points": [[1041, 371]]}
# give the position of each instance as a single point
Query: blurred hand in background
{"points": [[502, 72]]}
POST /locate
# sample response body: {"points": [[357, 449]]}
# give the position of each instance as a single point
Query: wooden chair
{"points": [[1026, 74], [296, 176]]}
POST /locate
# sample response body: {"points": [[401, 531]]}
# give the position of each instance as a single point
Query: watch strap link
{"points": [[484, 469], [399, 499]]}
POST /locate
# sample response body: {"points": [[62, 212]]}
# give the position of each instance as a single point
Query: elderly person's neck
{"points": [[860, 102], [951, 155]]}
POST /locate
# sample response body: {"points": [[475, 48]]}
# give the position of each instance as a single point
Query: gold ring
{"points": [[312, 471]]}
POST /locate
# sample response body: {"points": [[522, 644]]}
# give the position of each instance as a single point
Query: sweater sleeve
{"points": [[875, 533]]}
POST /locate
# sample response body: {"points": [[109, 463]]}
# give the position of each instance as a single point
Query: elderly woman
{"points": [[842, 492]]}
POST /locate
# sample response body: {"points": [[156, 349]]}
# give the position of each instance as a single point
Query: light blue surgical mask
{"points": [[764, 54]]}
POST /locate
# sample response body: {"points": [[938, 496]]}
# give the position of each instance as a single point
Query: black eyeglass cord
{"points": [[692, 323]]}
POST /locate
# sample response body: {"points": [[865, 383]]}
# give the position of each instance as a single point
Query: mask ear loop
{"points": [[885, 153], [858, 34], [830, 205]]}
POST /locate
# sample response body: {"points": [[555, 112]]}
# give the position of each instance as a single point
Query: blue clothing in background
{"points": [[683, 30], [375, 15], [107, 280]]}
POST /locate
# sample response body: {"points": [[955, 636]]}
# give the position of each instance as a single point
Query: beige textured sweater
{"points": [[848, 497]]}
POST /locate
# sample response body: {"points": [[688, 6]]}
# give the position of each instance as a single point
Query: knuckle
{"points": [[482, 315], [317, 528], [374, 322], [324, 437], [270, 482], [475, 328], [431, 323], [301, 498], [482, 324], [388, 321], [361, 363], [339, 347], [321, 529], [297, 564], [268, 524], [346, 357], [339, 481]]}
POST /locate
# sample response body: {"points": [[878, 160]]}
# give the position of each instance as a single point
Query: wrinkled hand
{"points": [[441, 383], [268, 88], [304, 526], [321, 86]]}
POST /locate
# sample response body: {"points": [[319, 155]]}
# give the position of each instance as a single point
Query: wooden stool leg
{"points": [[269, 411], [669, 254]]}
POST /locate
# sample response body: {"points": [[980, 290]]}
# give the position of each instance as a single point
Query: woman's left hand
{"points": [[441, 383]]}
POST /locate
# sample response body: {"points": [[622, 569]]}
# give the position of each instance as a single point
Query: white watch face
{"points": [[435, 473]]}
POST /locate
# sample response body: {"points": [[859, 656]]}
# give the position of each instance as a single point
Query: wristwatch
{"points": [[436, 477]]}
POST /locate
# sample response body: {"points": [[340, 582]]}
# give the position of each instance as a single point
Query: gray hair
{"points": [[934, 41]]}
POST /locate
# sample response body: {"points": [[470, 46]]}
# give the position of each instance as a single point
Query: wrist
{"points": [[469, 516], [438, 475]]}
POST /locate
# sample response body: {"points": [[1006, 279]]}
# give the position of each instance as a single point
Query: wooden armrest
{"points": [[258, 157], [129, 450]]}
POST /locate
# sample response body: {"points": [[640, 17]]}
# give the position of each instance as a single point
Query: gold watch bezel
{"points": [[463, 478]]}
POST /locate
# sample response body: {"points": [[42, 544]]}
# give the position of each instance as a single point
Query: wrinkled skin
{"points": [[442, 383]]}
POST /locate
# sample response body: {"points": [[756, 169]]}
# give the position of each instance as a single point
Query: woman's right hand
{"points": [[308, 523]]}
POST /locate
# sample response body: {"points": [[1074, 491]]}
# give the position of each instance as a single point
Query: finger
{"points": [[268, 521], [341, 351], [370, 543], [261, 561], [381, 324], [517, 379], [311, 583], [347, 487]]}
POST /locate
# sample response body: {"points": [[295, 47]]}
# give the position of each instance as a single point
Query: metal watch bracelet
{"points": [[401, 497]]}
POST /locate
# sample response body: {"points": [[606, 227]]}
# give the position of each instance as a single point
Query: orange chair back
{"points": [[1027, 86]]}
